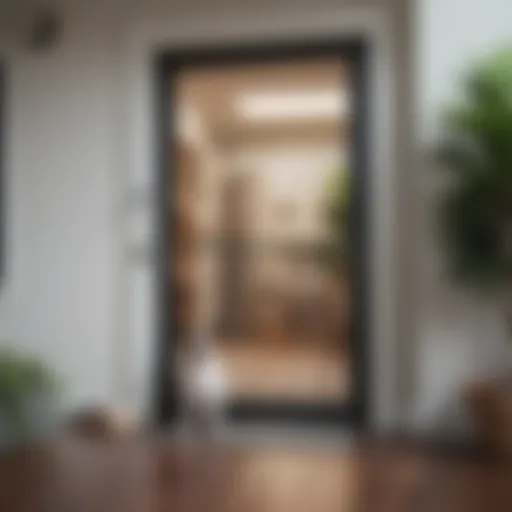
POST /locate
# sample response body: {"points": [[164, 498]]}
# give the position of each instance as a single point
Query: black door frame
{"points": [[168, 63]]}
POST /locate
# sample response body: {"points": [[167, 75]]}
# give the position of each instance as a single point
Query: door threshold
{"points": [[266, 435]]}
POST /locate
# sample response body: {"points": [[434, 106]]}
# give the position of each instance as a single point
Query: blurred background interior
{"points": [[261, 178], [261, 185]]}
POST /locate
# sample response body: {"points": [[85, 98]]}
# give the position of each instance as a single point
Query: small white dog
{"points": [[203, 389]]}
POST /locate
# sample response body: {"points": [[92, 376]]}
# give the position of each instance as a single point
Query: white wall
{"points": [[58, 296], [80, 171], [460, 338]]}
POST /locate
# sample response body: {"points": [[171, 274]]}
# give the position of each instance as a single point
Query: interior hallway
{"points": [[262, 233]]}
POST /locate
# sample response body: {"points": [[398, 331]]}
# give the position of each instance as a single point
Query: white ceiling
{"points": [[214, 93]]}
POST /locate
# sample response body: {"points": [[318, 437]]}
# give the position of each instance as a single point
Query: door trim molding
{"points": [[169, 62]]}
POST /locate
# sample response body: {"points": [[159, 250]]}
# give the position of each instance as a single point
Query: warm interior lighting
{"points": [[293, 105]]}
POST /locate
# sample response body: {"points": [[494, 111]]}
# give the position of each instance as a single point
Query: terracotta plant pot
{"points": [[490, 403]]}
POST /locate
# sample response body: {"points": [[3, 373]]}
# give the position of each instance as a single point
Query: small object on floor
{"points": [[102, 424], [203, 390]]}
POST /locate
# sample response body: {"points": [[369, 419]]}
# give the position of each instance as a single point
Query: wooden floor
{"points": [[158, 477], [300, 373]]}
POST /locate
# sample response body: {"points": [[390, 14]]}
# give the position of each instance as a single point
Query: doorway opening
{"points": [[263, 233]]}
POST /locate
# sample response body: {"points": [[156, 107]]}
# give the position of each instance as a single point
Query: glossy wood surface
{"points": [[140, 476]]}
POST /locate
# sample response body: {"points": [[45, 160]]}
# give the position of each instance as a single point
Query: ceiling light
{"points": [[293, 105]]}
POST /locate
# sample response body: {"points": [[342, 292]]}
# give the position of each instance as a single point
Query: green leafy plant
{"points": [[475, 208], [337, 210], [22, 378]]}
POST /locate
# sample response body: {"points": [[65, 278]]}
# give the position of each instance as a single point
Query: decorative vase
{"points": [[490, 403]]}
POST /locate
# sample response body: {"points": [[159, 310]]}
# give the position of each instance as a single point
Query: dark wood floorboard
{"points": [[141, 476]]}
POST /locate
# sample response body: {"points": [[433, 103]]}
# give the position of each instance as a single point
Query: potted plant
{"points": [[475, 213], [27, 389]]}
